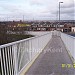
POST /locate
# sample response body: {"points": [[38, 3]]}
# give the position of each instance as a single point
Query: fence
{"points": [[16, 55], [69, 41]]}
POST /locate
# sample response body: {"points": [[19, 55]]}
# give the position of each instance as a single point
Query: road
{"points": [[54, 60]]}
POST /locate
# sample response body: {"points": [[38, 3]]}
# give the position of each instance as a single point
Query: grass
{"points": [[8, 38]]}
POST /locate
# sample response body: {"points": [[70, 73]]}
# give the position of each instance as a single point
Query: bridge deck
{"points": [[51, 61]]}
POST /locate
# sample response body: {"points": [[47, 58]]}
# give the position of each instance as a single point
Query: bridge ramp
{"points": [[54, 60]]}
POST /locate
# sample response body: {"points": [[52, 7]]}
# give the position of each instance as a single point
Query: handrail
{"points": [[13, 43], [68, 35], [16, 55], [69, 42]]}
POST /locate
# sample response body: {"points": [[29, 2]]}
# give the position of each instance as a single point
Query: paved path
{"points": [[51, 60]]}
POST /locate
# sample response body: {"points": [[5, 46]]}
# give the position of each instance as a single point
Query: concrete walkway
{"points": [[54, 60]]}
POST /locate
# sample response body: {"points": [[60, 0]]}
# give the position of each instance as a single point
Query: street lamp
{"points": [[59, 12]]}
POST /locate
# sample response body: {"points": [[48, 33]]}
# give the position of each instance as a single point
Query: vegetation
{"points": [[7, 38]]}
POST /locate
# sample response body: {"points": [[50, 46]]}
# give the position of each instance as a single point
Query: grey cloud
{"points": [[67, 4], [40, 2], [68, 17], [64, 11], [37, 8], [9, 7], [36, 3], [67, 10]]}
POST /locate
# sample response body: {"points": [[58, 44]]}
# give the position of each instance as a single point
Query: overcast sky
{"points": [[36, 9]]}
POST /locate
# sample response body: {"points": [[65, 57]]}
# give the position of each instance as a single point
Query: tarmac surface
{"points": [[54, 60]]}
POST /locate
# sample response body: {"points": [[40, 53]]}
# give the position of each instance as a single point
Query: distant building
{"points": [[67, 27], [73, 29], [37, 26], [43, 26]]}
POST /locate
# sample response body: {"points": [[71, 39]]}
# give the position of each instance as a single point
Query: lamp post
{"points": [[59, 12]]}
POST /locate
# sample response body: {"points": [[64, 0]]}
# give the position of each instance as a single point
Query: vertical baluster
{"points": [[12, 55], [22, 54], [29, 50], [10, 60], [32, 47], [2, 62], [19, 56], [6, 52], [14, 48]]}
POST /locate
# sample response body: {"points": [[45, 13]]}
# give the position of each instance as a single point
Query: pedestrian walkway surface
{"points": [[54, 60]]}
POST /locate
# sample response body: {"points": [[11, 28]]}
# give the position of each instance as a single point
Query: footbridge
{"points": [[52, 53]]}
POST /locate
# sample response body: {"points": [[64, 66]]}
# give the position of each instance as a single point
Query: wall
{"points": [[69, 42]]}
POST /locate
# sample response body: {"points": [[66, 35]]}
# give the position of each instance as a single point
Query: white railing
{"points": [[69, 42], [16, 55], [36, 33]]}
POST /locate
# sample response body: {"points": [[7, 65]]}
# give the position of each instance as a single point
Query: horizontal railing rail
{"points": [[36, 33], [1, 46], [16, 55]]}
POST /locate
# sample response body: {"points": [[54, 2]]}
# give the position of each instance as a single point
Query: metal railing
{"points": [[36, 33], [16, 55], [69, 42]]}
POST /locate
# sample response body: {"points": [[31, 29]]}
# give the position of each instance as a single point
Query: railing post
{"points": [[14, 47], [1, 62], [74, 50], [13, 61]]}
